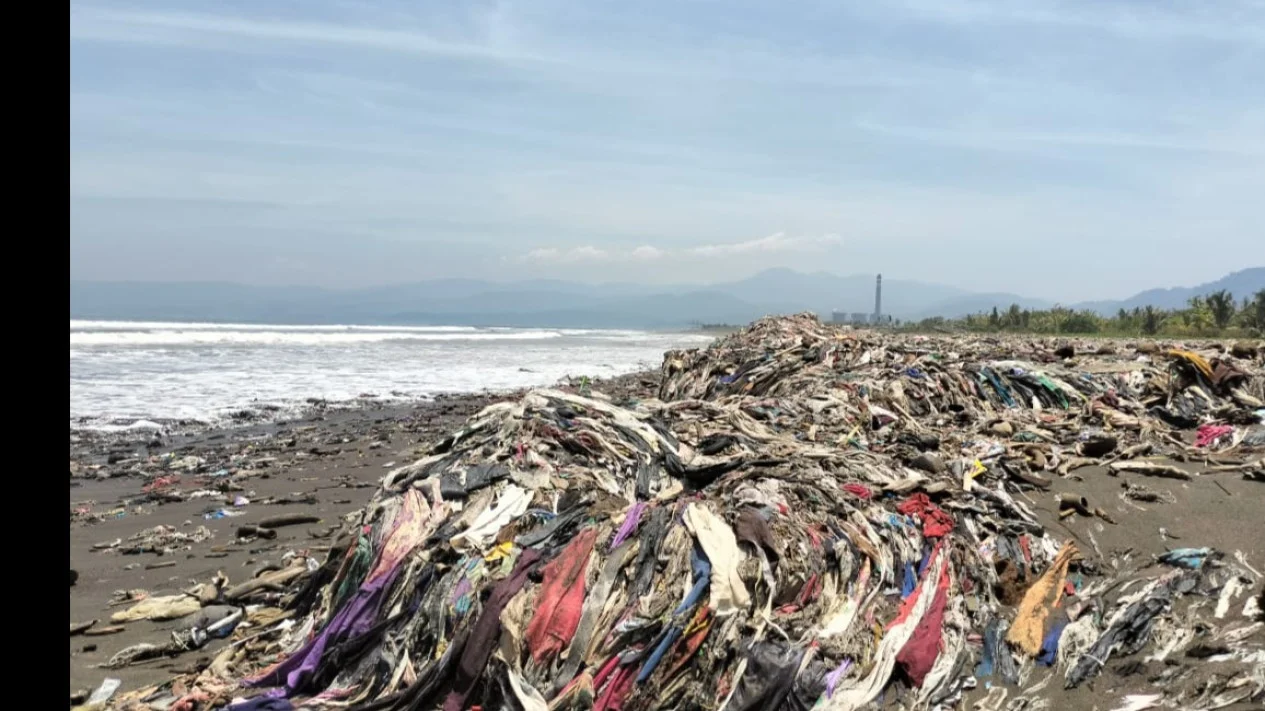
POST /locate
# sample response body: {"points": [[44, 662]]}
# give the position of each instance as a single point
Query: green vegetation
{"points": [[714, 327], [1214, 315]]}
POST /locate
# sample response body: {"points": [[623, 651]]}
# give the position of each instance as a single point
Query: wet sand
{"points": [[327, 466]]}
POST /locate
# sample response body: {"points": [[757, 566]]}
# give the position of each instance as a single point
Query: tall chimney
{"points": [[878, 299]]}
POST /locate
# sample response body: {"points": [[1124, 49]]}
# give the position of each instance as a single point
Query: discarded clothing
{"points": [[159, 609], [558, 609], [728, 592], [1028, 629], [935, 522]]}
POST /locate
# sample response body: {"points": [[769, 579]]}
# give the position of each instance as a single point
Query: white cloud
{"points": [[553, 255], [647, 253], [777, 243], [587, 253], [774, 243], [546, 254]]}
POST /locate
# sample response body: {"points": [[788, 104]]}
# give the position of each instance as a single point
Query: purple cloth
{"points": [[463, 588], [357, 616], [833, 679], [629, 525], [262, 703]]}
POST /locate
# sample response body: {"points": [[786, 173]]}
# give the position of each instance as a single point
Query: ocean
{"points": [[135, 375]]}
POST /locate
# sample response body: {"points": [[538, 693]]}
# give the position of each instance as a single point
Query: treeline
{"points": [[714, 326], [1217, 314]]}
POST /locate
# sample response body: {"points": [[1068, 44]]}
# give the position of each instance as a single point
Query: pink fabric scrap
{"points": [[1209, 434]]}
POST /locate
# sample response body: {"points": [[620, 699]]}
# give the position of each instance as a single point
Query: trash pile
{"points": [[805, 517]]}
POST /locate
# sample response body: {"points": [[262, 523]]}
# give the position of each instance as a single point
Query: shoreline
{"points": [[326, 465], [434, 366], [167, 519], [269, 416]]}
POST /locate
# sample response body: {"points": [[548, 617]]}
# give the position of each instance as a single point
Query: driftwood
{"points": [[1137, 450], [1102, 514], [1029, 478], [1166, 471], [288, 520], [102, 631], [1258, 465], [255, 532], [276, 580], [1076, 463]]}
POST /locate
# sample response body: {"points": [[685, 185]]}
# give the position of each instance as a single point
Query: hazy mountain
{"points": [[560, 304], [1244, 282], [656, 311]]}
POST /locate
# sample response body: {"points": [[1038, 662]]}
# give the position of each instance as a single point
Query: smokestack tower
{"points": [[878, 299]]}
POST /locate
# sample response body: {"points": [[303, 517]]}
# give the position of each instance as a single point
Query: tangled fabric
{"points": [[798, 517]]}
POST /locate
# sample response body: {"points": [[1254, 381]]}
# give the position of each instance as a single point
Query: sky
{"points": [[1060, 150]]}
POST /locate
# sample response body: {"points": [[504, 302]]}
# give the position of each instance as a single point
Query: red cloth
{"points": [[809, 591], [604, 672], [612, 697], [935, 522], [920, 652], [813, 536], [858, 490], [561, 598], [161, 482]]}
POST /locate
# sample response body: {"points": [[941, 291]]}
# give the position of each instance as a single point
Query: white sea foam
{"points": [[83, 325], [179, 336], [123, 372]]}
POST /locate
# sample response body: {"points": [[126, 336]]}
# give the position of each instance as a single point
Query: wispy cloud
{"points": [[646, 253], [1028, 140], [191, 28], [1230, 21], [575, 255], [778, 243], [660, 141]]}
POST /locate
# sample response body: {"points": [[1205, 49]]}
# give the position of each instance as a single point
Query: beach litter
{"points": [[804, 517]]}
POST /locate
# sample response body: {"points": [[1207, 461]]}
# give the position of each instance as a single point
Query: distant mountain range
{"points": [[561, 304]]}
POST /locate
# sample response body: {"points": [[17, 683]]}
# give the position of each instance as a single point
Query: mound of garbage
{"points": [[802, 517]]}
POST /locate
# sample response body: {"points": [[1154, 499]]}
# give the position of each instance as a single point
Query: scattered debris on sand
{"points": [[801, 516]]}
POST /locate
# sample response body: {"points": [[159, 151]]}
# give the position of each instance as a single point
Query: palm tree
{"points": [[1221, 304], [1256, 312], [1198, 317], [1123, 322], [1013, 318]]}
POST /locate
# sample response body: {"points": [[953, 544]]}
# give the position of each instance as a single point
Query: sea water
{"points": [[137, 375]]}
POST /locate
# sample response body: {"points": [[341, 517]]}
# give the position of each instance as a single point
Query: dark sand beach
{"points": [[325, 465], [328, 465]]}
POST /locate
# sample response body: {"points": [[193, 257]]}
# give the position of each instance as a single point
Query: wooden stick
{"points": [[101, 631], [268, 581], [288, 520]]}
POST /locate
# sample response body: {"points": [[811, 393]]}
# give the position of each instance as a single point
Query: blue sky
{"points": [[1066, 150]]}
